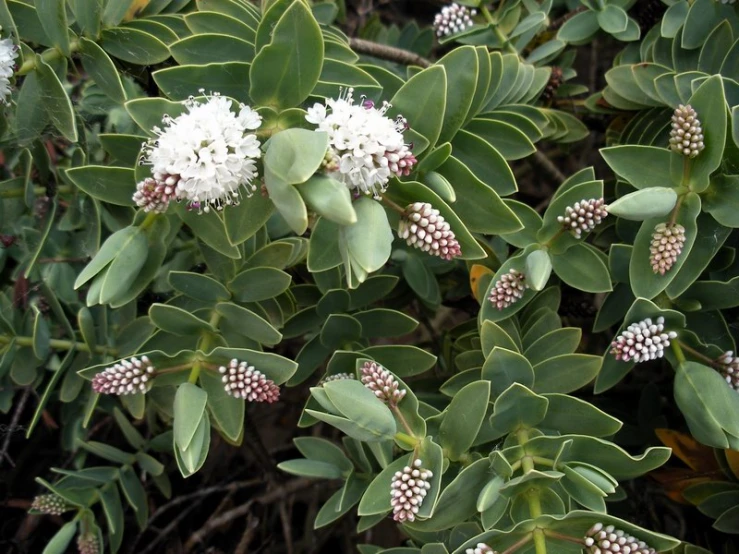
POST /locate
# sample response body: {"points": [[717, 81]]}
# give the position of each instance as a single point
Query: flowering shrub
{"points": [[208, 205]]}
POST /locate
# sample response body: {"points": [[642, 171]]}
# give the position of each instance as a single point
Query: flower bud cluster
{"points": [[88, 544], [408, 490], [242, 380], [154, 194], [126, 377], [51, 504], [686, 136], [453, 19], [380, 381], [642, 341], [602, 540], [583, 216], [424, 228], [336, 377], [508, 290], [667, 244], [8, 54], [730, 368]]}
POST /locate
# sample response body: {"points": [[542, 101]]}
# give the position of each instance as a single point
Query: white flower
{"points": [[453, 19], [209, 150], [366, 148], [8, 54]]}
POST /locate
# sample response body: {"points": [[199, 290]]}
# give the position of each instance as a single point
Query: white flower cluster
{"points": [[126, 377], [407, 491], [366, 148], [642, 341], [583, 216], [8, 54], [383, 383], [242, 380], [729, 363], [209, 152], [602, 540], [423, 227], [453, 19], [481, 548]]}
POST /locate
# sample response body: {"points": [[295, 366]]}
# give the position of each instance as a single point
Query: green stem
{"points": [[540, 543], [59, 344], [408, 440], [487, 15], [676, 210], [678, 352], [205, 341], [561, 537], [37, 191], [532, 496], [516, 545], [682, 346], [151, 217], [48, 56], [392, 205], [394, 408]]}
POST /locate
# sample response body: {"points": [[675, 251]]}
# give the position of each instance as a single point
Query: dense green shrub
{"points": [[272, 187]]}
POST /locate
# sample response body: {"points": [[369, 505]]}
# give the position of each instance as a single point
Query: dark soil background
{"points": [[240, 503]]}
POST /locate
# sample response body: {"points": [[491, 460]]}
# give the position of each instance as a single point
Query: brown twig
{"points": [[240, 511], [386, 52], [14, 425]]}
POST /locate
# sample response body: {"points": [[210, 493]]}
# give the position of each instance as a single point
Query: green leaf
{"points": [[53, 17], [340, 330], [294, 155], [41, 335], [198, 287], [402, 360], [189, 409], [644, 204], [30, 121], [328, 198], [538, 269], [114, 185], [134, 46], [259, 283], [284, 72], [190, 460], [381, 322], [314, 448], [612, 19], [230, 79], [88, 14], [56, 102], [177, 321], [214, 22], [376, 499], [135, 494], [582, 268], [132, 435], [209, 228], [369, 250], [227, 411], [507, 139], [709, 103], [125, 267], [642, 166], [323, 249], [463, 419], [61, 539], [108, 251], [211, 48], [505, 367], [645, 282], [102, 70], [565, 373], [579, 28], [461, 68], [554, 343], [478, 205], [709, 406], [570, 415], [287, 200], [422, 101], [492, 335], [721, 197], [247, 323], [313, 469], [243, 220], [487, 164]]}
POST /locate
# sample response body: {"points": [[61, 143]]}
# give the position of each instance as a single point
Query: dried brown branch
{"points": [[14, 425], [390, 53]]}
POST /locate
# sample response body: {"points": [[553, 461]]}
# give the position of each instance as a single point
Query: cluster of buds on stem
{"points": [[667, 244], [51, 504], [408, 490], [424, 228], [154, 194], [729, 368], [686, 136], [642, 341], [126, 377], [87, 543], [602, 540], [336, 377], [583, 216], [481, 548], [242, 380], [383, 383], [508, 290], [453, 19]]}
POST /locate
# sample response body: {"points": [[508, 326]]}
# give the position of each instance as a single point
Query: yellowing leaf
{"points": [[732, 458], [135, 9], [477, 272], [675, 480], [696, 456]]}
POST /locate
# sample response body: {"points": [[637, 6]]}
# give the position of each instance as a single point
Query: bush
{"points": [[211, 204]]}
